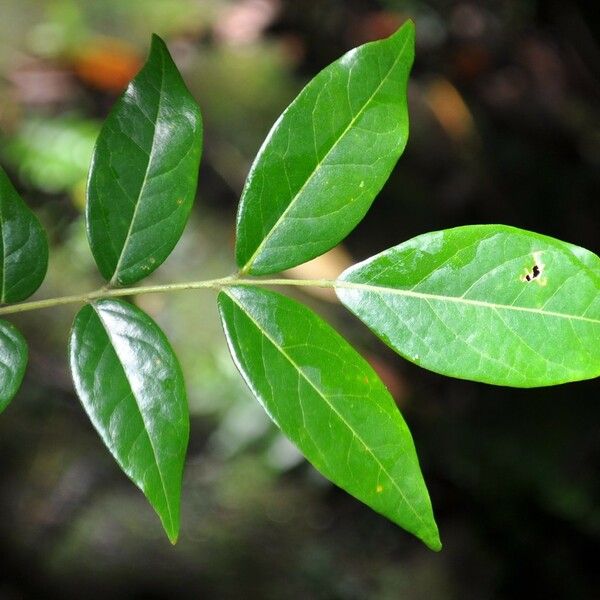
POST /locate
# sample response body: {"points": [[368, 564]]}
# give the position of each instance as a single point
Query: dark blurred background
{"points": [[505, 127]]}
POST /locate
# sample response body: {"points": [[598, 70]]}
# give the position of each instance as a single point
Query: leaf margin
{"points": [[13, 200], [15, 337], [172, 527], [348, 284], [113, 275], [248, 265], [429, 534]]}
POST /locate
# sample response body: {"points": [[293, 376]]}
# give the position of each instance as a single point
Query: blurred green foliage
{"points": [[52, 155]]}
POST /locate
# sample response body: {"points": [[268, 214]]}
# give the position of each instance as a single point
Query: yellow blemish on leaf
{"points": [[379, 488]]}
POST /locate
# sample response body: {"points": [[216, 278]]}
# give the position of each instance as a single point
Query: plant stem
{"points": [[215, 284]]}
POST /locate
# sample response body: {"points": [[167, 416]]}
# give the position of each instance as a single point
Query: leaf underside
{"points": [[488, 303], [327, 157], [328, 400], [131, 386], [24, 247], [13, 360], [144, 172]]}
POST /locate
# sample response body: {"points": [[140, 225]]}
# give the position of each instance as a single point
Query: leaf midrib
{"points": [[154, 451], [294, 199], [115, 276], [379, 289], [333, 409]]}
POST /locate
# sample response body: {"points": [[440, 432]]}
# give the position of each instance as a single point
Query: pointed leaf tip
{"points": [[433, 541], [488, 303], [407, 28], [23, 246], [329, 402], [131, 386], [326, 158], [144, 172], [158, 44]]}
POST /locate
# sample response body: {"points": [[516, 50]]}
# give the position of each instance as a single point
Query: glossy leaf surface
{"points": [[24, 247], [144, 172], [488, 303], [328, 400], [327, 157], [131, 386], [13, 360]]}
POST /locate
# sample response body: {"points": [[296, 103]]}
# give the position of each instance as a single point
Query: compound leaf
{"points": [[486, 302], [131, 386], [144, 172], [24, 247], [328, 400], [327, 157], [13, 360]]}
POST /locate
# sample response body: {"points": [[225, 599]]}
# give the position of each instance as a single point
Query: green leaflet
{"points": [[144, 172], [328, 400], [131, 386], [487, 302], [13, 360], [24, 248], [327, 157]]}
